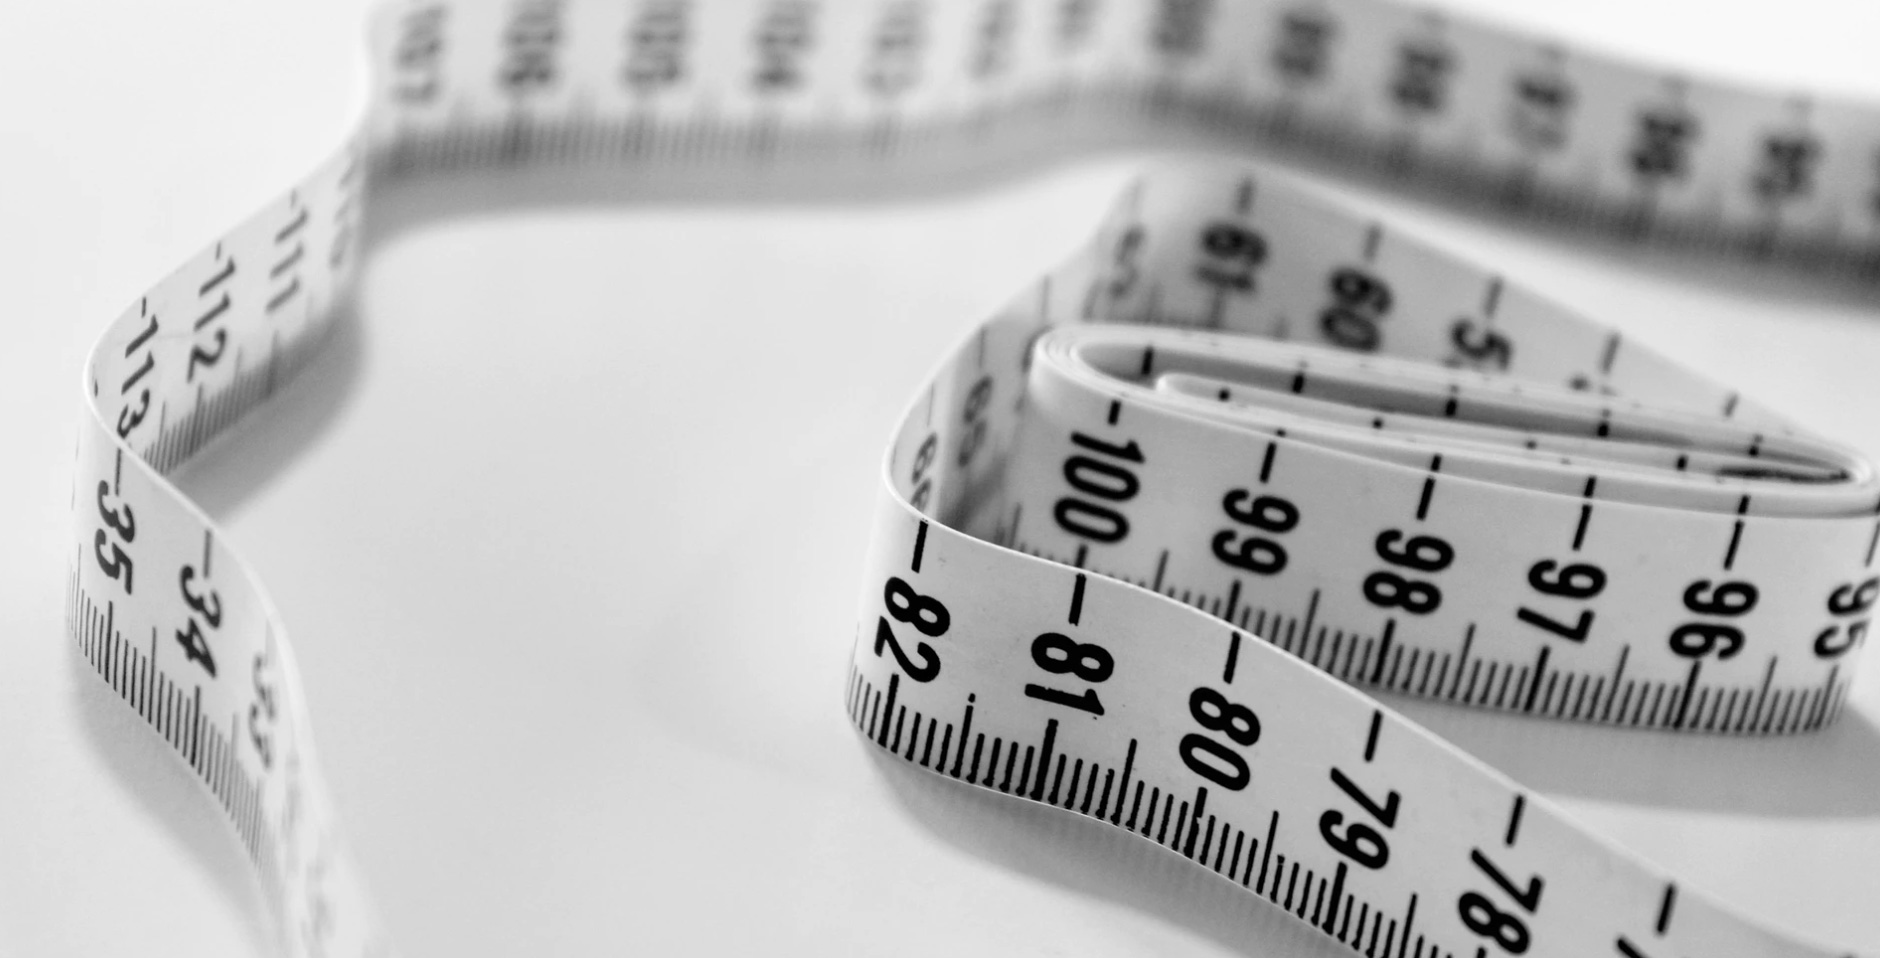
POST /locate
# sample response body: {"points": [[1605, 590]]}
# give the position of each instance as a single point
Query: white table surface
{"points": [[504, 518]]}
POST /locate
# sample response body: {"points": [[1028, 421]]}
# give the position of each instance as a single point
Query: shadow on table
{"points": [[1833, 773], [997, 152], [275, 434]]}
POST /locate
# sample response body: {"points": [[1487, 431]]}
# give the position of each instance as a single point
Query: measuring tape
{"points": [[1244, 439]]}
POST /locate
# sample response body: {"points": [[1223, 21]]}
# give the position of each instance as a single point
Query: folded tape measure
{"points": [[1244, 439]]}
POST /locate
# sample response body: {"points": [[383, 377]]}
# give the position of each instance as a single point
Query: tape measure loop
{"points": [[1143, 531]]}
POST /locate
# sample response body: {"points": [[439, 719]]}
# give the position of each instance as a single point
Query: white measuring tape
{"points": [[1471, 495]]}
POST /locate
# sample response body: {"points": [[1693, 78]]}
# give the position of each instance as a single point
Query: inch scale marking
{"points": [[1395, 469]]}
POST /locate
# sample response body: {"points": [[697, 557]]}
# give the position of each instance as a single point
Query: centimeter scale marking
{"points": [[1606, 698], [1162, 815], [1159, 814]]}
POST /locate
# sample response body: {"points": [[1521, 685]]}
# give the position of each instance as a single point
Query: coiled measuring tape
{"points": [[1244, 439]]}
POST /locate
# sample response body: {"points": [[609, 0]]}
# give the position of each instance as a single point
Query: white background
{"points": [[569, 702]]}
